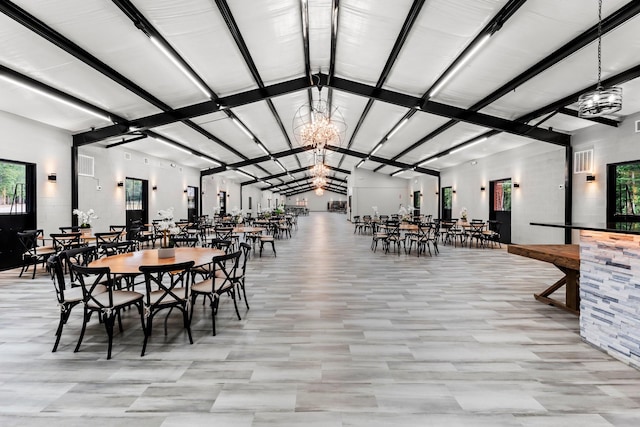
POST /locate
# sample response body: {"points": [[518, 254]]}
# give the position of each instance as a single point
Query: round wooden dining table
{"points": [[130, 263], [248, 229]]}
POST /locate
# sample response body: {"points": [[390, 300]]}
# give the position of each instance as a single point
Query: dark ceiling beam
{"points": [[282, 174], [195, 110], [618, 79], [306, 178], [126, 141], [335, 19], [310, 188], [602, 120], [611, 22], [444, 110], [384, 161], [28, 81], [257, 160], [225, 11], [411, 18]]}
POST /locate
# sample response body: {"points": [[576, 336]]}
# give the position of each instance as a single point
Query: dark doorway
{"points": [[136, 200], [447, 202], [222, 202], [17, 208], [500, 207], [416, 203], [192, 203]]}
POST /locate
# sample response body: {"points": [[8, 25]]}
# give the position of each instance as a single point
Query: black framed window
{"points": [[623, 192], [502, 195], [15, 193]]}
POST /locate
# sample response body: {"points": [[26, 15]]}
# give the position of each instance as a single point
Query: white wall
{"points": [[370, 189], [111, 167], [538, 168], [50, 149], [428, 186]]}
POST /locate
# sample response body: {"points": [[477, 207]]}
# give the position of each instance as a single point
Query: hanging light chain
{"points": [[599, 86]]}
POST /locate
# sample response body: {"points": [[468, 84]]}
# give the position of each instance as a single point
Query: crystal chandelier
{"points": [[319, 191], [601, 101], [317, 125]]}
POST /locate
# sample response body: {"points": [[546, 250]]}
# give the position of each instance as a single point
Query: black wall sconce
{"points": [[437, 193], [516, 185], [453, 191], [185, 190], [154, 188], [52, 177], [591, 178], [482, 188], [120, 184]]}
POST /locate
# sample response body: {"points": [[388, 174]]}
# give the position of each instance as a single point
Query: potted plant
{"points": [[168, 228], [85, 219], [463, 214]]}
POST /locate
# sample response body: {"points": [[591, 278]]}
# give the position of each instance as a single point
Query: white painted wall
{"points": [[111, 167], [537, 167], [370, 189], [50, 149], [428, 186]]}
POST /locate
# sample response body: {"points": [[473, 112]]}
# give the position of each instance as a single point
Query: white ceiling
{"points": [[273, 33]]}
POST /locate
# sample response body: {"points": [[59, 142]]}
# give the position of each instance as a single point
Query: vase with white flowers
{"points": [[168, 228], [85, 219], [463, 214]]}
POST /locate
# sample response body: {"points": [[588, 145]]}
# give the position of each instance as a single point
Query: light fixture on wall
{"points": [[186, 190], [482, 188], [120, 184], [591, 178], [600, 101], [154, 188], [52, 177], [516, 185], [453, 191]]}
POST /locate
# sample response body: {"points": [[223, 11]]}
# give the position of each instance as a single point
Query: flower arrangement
{"points": [[237, 215], [375, 211], [463, 214], [168, 227], [403, 213], [85, 218]]}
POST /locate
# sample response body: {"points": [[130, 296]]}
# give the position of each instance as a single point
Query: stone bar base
{"points": [[610, 293]]}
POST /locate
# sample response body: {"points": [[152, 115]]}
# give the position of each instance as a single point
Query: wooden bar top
{"points": [[567, 256]]}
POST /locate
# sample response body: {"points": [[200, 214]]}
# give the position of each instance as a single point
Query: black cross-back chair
{"points": [[32, 254], [107, 304], [167, 286], [221, 281]]}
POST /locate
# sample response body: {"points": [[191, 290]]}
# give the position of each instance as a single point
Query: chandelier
{"points": [[318, 125], [319, 191], [601, 101]]}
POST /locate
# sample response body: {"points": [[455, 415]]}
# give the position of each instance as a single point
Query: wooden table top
{"points": [[128, 263], [567, 256], [248, 229]]}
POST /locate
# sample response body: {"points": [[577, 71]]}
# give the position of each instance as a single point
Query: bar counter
{"points": [[610, 287]]}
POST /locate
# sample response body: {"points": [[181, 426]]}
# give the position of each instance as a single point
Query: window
{"points": [[502, 196], [623, 181], [13, 188], [134, 194]]}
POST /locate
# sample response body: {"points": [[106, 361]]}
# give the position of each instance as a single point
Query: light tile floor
{"points": [[336, 336]]}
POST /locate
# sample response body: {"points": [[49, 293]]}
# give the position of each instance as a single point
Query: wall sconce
{"points": [[437, 193], [52, 177], [453, 191], [591, 178], [516, 185], [482, 188], [154, 188], [120, 184]]}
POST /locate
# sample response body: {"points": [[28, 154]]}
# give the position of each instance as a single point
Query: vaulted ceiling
{"points": [[216, 84]]}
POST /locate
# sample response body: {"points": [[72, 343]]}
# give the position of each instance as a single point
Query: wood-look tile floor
{"points": [[336, 336]]}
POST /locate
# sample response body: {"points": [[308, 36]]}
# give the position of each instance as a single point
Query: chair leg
{"points": [[232, 291], [64, 316], [246, 302], [85, 320], [186, 320], [109, 322], [214, 309]]}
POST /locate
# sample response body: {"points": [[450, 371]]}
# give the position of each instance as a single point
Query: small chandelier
{"points": [[319, 191], [601, 101]]}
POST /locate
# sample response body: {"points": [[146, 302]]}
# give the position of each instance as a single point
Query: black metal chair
{"points": [[107, 304], [32, 253], [167, 286], [221, 281], [64, 241]]}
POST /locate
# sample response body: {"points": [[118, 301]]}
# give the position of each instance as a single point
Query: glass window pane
{"points": [[502, 196], [13, 188]]}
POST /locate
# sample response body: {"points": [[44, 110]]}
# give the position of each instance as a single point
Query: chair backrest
{"points": [[56, 270], [64, 241], [245, 249], [70, 229], [119, 228], [77, 256], [29, 240], [223, 232], [108, 237], [495, 226], [166, 283], [92, 279], [185, 241], [225, 268], [393, 227], [222, 244], [115, 248]]}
